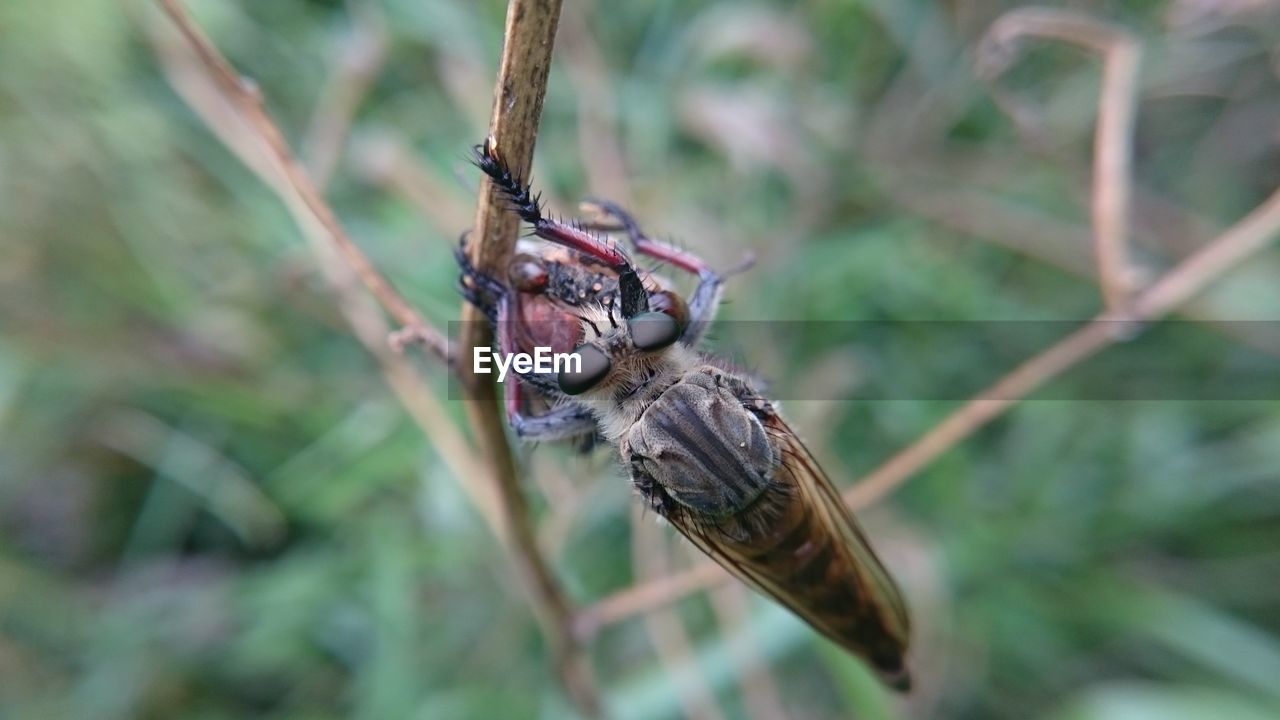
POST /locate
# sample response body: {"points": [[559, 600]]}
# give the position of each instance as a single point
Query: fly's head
{"points": [[624, 358], [553, 287]]}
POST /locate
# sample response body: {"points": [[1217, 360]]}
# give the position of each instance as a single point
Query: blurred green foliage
{"points": [[211, 506]]}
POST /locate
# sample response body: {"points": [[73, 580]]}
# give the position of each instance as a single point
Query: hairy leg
{"points": [[635, 299], [706, 296]]}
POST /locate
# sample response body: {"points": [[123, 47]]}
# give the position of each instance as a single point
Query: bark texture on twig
{"points": [[246, 100], [1113, 138], [234, 109], [517, 110]]}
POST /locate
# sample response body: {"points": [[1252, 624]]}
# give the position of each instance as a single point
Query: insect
{"points": [[704, 449], [545, 286]]}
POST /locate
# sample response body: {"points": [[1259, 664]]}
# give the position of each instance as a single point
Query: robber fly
{"points": [[704, 449], [546, 285]]}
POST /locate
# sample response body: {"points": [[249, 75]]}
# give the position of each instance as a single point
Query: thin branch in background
{"points": [[645, 596], [1113, 137], [202, 77], [359, 58], [1242, 240], [240, 115], [384, 158], [989, 218], [602, 156], [246, 101], [517, 109], [1248, 236], [650, 555]]}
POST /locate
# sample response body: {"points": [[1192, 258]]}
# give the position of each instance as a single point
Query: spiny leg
{"points": [[706, 296], [645, 245], [559, 423], [479, 289], [488, 294], [635, 299]]}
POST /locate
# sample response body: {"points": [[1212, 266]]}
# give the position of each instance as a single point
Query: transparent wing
{"points": [[800, 545]]}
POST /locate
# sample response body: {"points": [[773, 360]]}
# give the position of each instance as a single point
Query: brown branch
{"points": [[643, 597], [980, 410], [198, 73], [1113, 137], [990, 219], [384, 158], [246, 100], [358, 60], [1248, 236], [517, 109], [526, 60]]}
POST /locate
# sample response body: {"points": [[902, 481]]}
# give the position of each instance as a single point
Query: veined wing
{"points": [[799, 544]]}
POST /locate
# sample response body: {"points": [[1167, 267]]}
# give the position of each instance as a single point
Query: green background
{"points": [[212, 506]]}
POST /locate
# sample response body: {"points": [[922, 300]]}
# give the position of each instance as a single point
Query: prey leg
{"points": [[486, 293], [559, 423], [706, 296], [478, 288], [635, 299], [497, 301]]}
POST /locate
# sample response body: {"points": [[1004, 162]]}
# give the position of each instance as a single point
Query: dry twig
{"points": [[986, 217], [246, 101], [517, 109], [204, 79], [243, 123], [358, 61], [1113, 139]]}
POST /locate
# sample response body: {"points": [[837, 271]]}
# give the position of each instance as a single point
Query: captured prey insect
{"points": [[704, 449]]}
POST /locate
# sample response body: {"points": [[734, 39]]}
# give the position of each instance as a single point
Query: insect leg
{"points": [[563, 422], [706, 297], [487, 293], [635, 299], [478, 288], [645, 245]]}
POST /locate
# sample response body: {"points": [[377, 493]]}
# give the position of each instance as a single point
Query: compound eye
{"points": [[595, 366], [653, 330], [528, 274], [670, 303]]}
